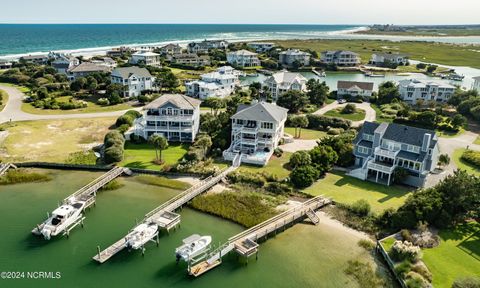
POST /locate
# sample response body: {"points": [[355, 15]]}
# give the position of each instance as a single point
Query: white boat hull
{"points": [[192, 249]]}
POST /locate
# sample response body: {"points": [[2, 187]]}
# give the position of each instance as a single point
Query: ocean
{"points": [[23, 39]]}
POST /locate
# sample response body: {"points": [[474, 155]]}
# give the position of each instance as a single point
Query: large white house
{"points": [[243, 58], [413, 90], [383, 58], [281, 82], [476, 83], [206, 45], [146, 58], [171, 49], [220, 84], [340, 58], [289, 57], [134, 79], [261, 47], [63, 62], [173, 116], [256, 132], [354, 89], [189, 59]]}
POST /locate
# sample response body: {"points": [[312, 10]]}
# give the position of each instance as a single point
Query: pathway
{"points": [[298, 145], [370, 114]]}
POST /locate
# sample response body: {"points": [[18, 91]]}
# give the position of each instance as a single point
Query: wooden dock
{"points": [[164, 215], [245, 243], [5, 166]]}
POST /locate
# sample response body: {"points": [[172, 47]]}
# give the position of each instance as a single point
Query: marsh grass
{"points": [[23, 176], [162, 182]]}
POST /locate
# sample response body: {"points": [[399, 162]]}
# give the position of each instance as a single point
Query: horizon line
{"points": [[180, 23]]}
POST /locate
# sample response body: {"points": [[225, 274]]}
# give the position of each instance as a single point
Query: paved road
{"points": [[370, 114]]}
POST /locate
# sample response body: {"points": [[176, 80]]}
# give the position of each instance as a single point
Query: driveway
{"points": [[298, 145], [370, 114]]}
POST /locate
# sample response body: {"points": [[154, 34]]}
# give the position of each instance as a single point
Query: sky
{"points": [[242, 11]]}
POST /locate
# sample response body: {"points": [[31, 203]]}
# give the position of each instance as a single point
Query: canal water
{"points": [[303, 256]]}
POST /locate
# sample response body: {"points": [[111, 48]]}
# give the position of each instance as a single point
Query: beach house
{"points": [[340, 58], [170, 49], [206, 45], [219, 84], [145, 58], [380, 59], [413, 90], [173, 116], [189, 59], [243, 58], [281, 82], [256, 132], [64, 62], [354, 89], [134, 79], [86, 68], [261, 47], [294, 57], [381, 149]]}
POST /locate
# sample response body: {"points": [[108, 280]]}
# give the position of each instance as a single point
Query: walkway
{"points": [[370, 114]]}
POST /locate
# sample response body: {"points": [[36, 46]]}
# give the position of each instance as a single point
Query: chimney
{"points": [[426, 141]]}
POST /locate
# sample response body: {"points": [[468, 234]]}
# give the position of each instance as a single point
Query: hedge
{"points": [[471, 157]]}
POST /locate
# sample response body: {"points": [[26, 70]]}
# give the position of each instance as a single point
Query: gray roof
{"points": [[350, 84], [365, 143], [179, 100], [412, 156], [408, 134], [261, 111], [476, 78], [126, 72], [88, 67]]}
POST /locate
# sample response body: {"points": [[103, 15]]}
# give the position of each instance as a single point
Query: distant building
{"points": [[119, 52], [63, 62], [413, 90], [85, 69], [281, 82], [189, 59], [354, 89], [146, 58], [243, 58], [219, 84], [206, 45], [36, 59], [256, 132], [289, 57], [340, 58], [476, 83], [173, 116], [170, 49], [5, 64], [105, 61], [261, 47], [134, 79], [382, 148], [383, 58]]}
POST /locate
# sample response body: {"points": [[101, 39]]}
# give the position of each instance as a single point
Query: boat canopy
{"points": [[63, 210], [191, 239]]}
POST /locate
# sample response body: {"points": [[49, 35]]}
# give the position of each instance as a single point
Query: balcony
{"points": [[169, 118], [386, 153], [382, 167], [245, 129]]}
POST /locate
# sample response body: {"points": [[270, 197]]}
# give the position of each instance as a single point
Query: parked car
{"points": [[341, 101]]}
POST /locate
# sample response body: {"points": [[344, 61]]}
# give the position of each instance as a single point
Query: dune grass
{"points": [[345, 189], [142, 156]]}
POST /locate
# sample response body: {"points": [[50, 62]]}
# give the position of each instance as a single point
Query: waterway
{"points": [[303, 256]]}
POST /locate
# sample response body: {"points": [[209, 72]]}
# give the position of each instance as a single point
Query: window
{"points": [[414, 149], [267, 125], [363, 150], [368, 137]]}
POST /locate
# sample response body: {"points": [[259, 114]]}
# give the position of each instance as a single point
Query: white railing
{"points": [[381, 167], [386, 153], [245, 129]]}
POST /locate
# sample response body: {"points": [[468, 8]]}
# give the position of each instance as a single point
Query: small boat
{"points": [[141, 235], [370, 74], [62, 218], [192, 246]]}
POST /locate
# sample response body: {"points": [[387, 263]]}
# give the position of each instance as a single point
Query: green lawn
{"points": [[22, 89], [142, 155], [457, 255], [462, 164], [307, 134], [440, 53], [275, 166], [446, 134], [477, 141], [379, 113], [357, 116], [346, 189], [3, 99]]}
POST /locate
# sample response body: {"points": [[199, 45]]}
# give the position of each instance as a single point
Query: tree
{"points": [[293, 100], [160, 143], [300, 158], [205, 142], [443, 160], [387, 91], [323, 158], [92, 84], [42, 93], [399, 175], [317, 92], [349, 109], [458, 121], [78, 84], [303, 176], [168, 80], [431, 68], [299, 122], [215, 104]]}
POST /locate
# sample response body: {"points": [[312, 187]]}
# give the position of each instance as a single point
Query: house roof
{"points": [[338, 52], [419, 83], [261, 111], [88, 67], [126, 72], [145, 54], [287, 77], [294, 52], [243, 53], [170, 46], [351, 84], [179, 100], [408, 134]]}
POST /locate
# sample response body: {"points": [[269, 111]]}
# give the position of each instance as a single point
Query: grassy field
{"points": [[3, 99], [477, 141], [307, 134], [440, 53], [92, 107], [143, 155], [275, 166], [52, 140], [346, 189], [379, 113], [462, 164], [457, 255], [438, 32], [21, 88], [357, 116]]}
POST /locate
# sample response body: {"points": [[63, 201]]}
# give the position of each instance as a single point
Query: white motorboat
{"points": [[141, 235], [62, 218], [192, 246]]}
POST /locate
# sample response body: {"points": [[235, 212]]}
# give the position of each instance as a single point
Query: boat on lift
{"points": [[192, 247], [62, 219], [141, 235]]}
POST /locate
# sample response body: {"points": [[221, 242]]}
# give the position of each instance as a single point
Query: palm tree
{"points": [[160, 143], [205, 143]]}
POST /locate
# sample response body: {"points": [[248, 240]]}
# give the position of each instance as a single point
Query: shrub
{"points": [[367, 244], [82, 157], [278, 152], [124, 119], [406, 235], [303, 176], [471, 157], [103, 102], [335, 131], [278, 188], [113, 154], [421, 269], [404, 250], [247, 178], [349, 109], [360, 207], [300, 158], [467, 282], [415, 280], [319, 122], [123, 128], [403, 268]]}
